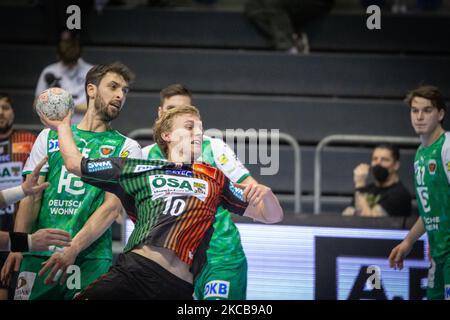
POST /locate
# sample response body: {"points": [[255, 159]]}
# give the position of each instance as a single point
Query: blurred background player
{"points": [[226, 262], [15, 147], [432, 180], [176, 203], [69, 203], [386, 196], [68, 73]]}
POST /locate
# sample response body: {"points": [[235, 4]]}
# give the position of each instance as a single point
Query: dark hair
{"points": [[69, 50], [427, 92], [6, 96], [174, 90], [392, 148], [97, 72]]}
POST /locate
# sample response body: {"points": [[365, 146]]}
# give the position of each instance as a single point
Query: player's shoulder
{"points": [[126, 138], [447, 136], [84, 66], [149, 147], [44, 132]]}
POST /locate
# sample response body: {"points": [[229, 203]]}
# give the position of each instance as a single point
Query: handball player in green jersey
{"points": [[432, 183]]}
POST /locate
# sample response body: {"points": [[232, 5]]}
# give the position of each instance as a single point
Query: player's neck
{"points": [[428, 139], [92, 122]]}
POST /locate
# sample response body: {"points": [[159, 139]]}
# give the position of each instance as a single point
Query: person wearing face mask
{"points": [[386, 196]]}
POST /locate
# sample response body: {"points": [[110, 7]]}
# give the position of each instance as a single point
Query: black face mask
{"points": [[380, 173]]}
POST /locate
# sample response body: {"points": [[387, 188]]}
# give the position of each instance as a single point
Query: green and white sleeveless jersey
{"points": [[69, 202], [432, 181], [226, 240]]}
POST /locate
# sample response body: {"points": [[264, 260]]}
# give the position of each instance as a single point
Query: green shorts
{"points": [[439, 280], [222, 280], [32, 287]]}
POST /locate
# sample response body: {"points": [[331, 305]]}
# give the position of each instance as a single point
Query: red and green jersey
{"points": [[225, 244], [432, 182]]}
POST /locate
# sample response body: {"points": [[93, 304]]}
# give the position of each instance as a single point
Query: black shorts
{"points": [[135, 277]]}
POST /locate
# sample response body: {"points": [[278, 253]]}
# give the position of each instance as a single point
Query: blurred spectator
{"points": [[15, 147], [68, 73], [387, 196], [283, 20]]}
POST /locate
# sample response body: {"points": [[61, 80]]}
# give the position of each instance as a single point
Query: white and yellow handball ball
{"points": [[54, 103]]}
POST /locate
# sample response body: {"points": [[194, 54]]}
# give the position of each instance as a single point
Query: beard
{"points": [[103, 109]]}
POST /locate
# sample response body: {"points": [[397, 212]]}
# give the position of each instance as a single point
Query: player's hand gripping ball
{"points": [[54, 103]]}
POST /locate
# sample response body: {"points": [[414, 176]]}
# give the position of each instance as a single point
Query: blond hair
{"points": [[164, 124]]}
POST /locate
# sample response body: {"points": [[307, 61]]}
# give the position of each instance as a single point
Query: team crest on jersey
{"points": [[165, 185], [432, 166], [106, 151]]}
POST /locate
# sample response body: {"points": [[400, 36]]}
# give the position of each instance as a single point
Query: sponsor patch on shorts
{"points": [[217, 289], [25, 283]]}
